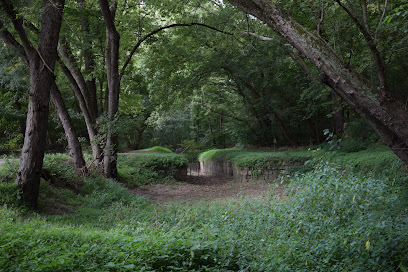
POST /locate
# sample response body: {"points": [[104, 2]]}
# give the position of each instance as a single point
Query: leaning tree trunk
{"points": [[112, 72], [90, 123], [29, 172], [41, 65], [74, 146], [388, 118]]}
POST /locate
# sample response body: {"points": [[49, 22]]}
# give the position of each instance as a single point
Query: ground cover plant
{"points": [[331, 220], [136, 169]]}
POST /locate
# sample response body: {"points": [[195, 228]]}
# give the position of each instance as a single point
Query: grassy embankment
{"points": [[332, 221]]}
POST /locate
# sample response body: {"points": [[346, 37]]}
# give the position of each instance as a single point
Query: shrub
{"points": [[353, 145], [136, 169]]}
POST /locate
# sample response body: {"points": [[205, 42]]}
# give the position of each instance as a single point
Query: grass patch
{"points": [[256, 159], [218, 154], [158, 149]]}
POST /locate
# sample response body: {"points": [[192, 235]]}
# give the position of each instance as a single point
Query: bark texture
{"points": [[74, 146], [112, 72], [89, 121], [41, 66], [388, 118]]}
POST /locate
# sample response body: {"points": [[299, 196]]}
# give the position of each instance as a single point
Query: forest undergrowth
{"points": [[335, 219]]}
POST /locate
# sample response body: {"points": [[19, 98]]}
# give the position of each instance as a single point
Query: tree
{"points": [[41, 65], [112, 72], [377, 105], [74, 147]]}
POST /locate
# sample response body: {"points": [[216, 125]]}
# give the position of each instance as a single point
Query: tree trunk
{"points": [[89, 61], [388, 118], [112, 72], [74, 146], [111, 147], [90, 124], [41, 65], [75, 149]]}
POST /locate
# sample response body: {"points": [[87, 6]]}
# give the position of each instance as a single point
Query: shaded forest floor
{"points": [[208, 188]]}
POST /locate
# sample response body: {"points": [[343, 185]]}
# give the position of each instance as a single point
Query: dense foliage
{"points": [[136, 169], [195, 76], [330, 221]]}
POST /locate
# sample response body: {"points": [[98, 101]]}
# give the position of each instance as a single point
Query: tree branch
{"points": [[381, 21], [107, 15], [365, 30], [18, 26], [12, 43], [147, 36]]}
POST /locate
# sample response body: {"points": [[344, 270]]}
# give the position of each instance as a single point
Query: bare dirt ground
{"points": [[208, 188]]}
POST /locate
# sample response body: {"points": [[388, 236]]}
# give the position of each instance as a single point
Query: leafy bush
{"points": [[352, 145], [136, 169], [337, 222], [378, 161]]}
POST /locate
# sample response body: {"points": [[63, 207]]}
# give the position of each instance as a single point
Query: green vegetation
{"points": [[158, 149], [194, 76], [373, 161], [137, 169], [256, 158], [218, 154], [330, 221]]}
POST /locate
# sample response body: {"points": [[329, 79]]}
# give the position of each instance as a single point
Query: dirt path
{"points": [[208, 188]]}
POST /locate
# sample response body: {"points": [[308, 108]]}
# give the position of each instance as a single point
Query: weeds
{"points": [[137, 169], [331, 221]]}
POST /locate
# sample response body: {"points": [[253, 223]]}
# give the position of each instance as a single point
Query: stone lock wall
{"points": [[228, 168]]}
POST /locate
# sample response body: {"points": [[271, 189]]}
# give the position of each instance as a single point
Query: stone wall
{"points": [[245, 174], [216, 168]]}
